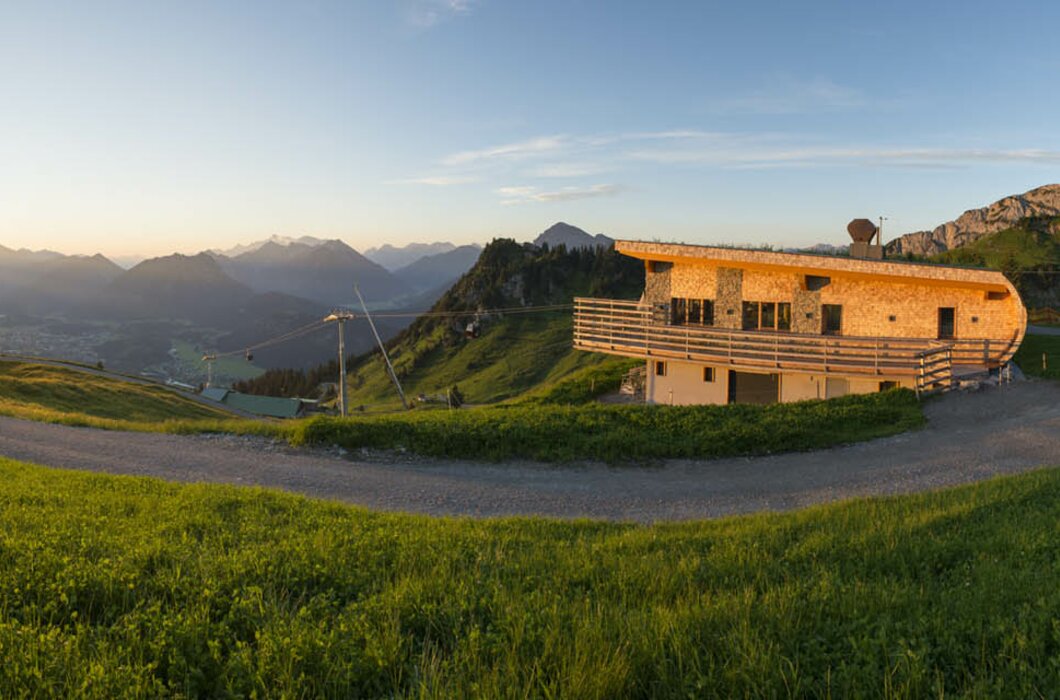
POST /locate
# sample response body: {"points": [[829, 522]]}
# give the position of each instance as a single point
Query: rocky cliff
{"points": [[976, 223]]}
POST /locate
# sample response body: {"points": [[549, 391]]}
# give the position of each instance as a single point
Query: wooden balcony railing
{"points": [[635, 329]]}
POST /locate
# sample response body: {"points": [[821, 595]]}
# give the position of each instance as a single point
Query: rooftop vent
{"points": [[862, 231]]}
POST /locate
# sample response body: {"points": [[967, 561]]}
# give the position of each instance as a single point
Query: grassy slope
{"points": [[513, 355], [514, 352], [1029, 356], [122, 587], [39, 390]]}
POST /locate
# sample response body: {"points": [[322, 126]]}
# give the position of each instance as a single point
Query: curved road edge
{"points": [[969, 437]]}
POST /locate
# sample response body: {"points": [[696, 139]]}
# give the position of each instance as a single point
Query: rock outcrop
{"points": [[977, 223]]}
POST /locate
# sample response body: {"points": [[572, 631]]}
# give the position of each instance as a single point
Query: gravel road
{"points": [[970, 436]]}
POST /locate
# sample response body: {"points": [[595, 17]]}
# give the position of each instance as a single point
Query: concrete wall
{"points": [[683, 385]]}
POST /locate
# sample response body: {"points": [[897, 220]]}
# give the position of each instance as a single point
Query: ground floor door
{"points": [[749, 387], [835, 386], [947, 322]]}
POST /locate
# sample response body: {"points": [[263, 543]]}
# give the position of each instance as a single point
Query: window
{"points": [[766, 315], [887, 386], [678, 311], [698, 312], [708, 374], [750, 315], [783, 316], [816, 282], [660, 368], [947, 322], [659, 266], [831, 319]]}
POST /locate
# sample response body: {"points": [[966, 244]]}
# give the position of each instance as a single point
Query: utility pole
{"points": [[209, 360], [382, 348], [341, 317]]}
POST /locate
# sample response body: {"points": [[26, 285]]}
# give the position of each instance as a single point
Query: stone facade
{"points": [[657, 287], [879, 299], [806, 311], [729, 300]]}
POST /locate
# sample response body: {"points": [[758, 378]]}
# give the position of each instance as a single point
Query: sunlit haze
{"points": [[147, 128]]}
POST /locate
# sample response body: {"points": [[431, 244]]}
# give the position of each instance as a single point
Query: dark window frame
{"points": [[691, 312], [947, 330], [830, 313], [754, 315]]}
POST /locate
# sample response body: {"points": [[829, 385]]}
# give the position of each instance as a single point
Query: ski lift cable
{"points": [[317, 325], [474, 312], [283, 338]]}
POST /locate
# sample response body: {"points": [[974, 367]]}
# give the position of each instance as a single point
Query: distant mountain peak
{"points": [[274, 240], [562, 233], [393, 257]]}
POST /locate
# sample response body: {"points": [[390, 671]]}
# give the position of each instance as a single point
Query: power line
{"points": [[472, 312], [318, 325]]}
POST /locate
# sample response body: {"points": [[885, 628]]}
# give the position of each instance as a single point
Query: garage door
{"points": [[749, 387]]}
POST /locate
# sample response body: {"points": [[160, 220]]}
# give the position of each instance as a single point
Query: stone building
{"points": [[727, 325]]}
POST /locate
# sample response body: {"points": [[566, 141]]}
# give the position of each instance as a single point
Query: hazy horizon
{"points": [[142, 130]]}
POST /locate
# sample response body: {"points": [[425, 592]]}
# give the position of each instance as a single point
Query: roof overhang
{"points": [[825, 265]]}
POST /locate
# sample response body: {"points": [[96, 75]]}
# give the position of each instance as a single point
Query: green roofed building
{"points": [[271, 406]]}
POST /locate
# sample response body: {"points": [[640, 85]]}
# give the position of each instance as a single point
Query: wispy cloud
{"points": [[793, 96], [562, 170], [508, 151], [435, 180], [745, 156], [578, 157], [424, 14], [529, 194]]}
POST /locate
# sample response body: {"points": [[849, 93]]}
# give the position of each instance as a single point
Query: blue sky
{"points": [[153, 127]]}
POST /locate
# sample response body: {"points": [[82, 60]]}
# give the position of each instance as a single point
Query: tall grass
{"points": [[125, 587], [622, 433]]}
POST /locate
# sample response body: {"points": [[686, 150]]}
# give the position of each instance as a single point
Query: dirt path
{"points": [[969, 437]]}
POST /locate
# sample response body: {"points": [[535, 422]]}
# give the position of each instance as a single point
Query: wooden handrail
{"points": [[632, 329]]}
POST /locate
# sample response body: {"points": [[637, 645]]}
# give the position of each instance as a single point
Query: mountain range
{"points": [[394, 258], [88, 308], [976, 224]]}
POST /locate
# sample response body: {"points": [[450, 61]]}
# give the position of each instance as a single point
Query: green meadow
{"points": [[131, 587]]}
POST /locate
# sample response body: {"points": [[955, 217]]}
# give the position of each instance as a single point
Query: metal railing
{"points": [[636, 329]]}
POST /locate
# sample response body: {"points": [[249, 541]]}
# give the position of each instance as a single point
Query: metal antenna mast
{"points": [[389, 367], [209, 360], [341, 317]]}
